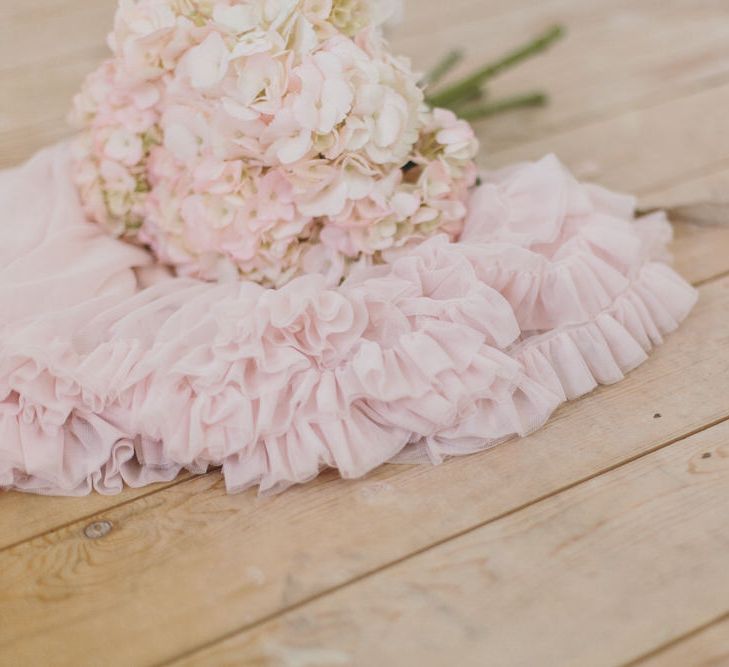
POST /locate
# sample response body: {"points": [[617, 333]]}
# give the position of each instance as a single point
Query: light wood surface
{"points": [[600, 540], [571, 581]]}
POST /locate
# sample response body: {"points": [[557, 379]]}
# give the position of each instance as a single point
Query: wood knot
{"points": [[98, 529]]}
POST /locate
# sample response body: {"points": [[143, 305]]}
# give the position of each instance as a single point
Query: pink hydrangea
{"points": [[266, 138]]}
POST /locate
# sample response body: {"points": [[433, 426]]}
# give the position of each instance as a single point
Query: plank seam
{"points": [[712, 279], [678, 640]]}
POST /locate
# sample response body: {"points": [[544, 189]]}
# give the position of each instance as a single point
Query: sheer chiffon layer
{"points": [[113, 372]]}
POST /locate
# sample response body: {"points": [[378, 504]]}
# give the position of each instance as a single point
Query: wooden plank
{"points": [[238, 559], [594, 576], [644, 150], [701, 252], [34, 35], [39, 100], [708, 647], [24, 516]]}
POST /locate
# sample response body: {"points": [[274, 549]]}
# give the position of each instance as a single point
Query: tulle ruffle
{"points": [[128, 376]]}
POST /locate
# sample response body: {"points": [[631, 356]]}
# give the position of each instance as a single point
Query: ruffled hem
{"points": [[447, 350], [573, 361]]}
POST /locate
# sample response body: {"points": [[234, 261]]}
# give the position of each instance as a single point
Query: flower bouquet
{"points": [[270, 250], [265, 140]]}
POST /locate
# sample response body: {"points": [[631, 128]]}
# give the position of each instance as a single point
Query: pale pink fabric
{"points": [[112, 372]]}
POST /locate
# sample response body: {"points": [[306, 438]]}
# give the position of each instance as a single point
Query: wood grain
{"points": [[237, 559], [593, 576]]}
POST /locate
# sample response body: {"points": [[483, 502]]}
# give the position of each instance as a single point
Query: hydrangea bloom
{"points": [[266, 138]]}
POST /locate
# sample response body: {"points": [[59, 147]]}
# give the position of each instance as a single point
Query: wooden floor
{"points": [[601, 540]]}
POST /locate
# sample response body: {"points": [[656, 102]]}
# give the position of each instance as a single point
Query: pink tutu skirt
{"points": [[114, 372]]}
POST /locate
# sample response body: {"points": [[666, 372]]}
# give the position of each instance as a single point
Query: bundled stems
{"points": [[471, 87]]}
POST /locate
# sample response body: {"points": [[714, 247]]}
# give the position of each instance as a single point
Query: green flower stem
{"points": [[535, 99], [475, 81], [435, 75], [469, 99]]}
